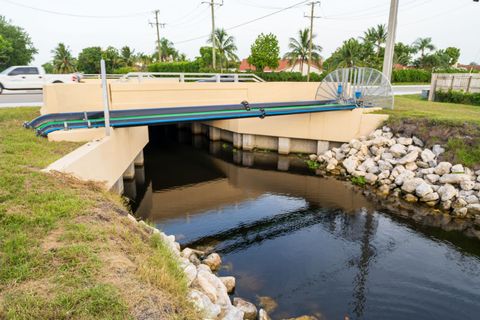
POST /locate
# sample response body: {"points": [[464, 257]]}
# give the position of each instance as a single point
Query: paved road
{"points": [[35, 98], [21, 98], [417, 89]]}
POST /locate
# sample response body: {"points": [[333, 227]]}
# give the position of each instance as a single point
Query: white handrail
{"points": [[194, 76]]}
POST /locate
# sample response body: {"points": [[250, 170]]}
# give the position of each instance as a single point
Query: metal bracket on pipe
{"points": [[246, 105], [262, 116]]}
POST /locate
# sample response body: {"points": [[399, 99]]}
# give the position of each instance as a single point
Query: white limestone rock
{"points": [[405, 141], [410, 157], [229, 283], [427, 155], [350, 164], [458, 168], [443, 168], [213, 287], [249, 310], [213, 260], [467, 185], [423, 189], [438, 150], [410, 185], [430, 197], [233, 313], [432, 178], [398, 150], [474, 208], [453, 178], [447, 192], [402, 177], [203, 304], [411, 166], [371, 178], [263, 315], [418, 142]]}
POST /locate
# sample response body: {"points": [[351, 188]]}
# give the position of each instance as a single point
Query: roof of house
{"points": [[283, 65]]}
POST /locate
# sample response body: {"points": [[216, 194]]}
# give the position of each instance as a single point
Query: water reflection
{"points": [[314, 245]]}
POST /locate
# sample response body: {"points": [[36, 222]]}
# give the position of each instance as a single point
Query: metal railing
{"points": [[192, 77]]}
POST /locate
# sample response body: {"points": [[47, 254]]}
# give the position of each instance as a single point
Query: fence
{"points": [[467, 82], [192, 77]]}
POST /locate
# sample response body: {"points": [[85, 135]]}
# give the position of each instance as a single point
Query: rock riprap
{"points": [[208, 292], [404, 167]]}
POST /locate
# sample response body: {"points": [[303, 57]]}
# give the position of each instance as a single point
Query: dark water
{"points": [[313, 245]]}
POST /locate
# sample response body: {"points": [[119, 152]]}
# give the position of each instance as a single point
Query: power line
{"points": [[212, 5], [244, 23], [74, 15]]}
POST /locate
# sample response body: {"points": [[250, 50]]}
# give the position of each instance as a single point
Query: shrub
{"points": [[411, 75], [124, 70], [458, 97], [181, 66], [289, 76]]}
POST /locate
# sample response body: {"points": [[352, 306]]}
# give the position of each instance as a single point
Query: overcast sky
{"points": [[448, 22]]}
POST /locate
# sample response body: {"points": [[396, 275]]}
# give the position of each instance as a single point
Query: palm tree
{"points": [[127, 56], [377, 36], [167, 51], [143, 60], [63, 61], [350, 54], [226, 47], [422, 45], [299, 49]]}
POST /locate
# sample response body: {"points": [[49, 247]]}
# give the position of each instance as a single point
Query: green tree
{"points": [[403, 54], [225, 46], [423, 45], [127, 57], [63, 60], [6, 50], [376, 36], [89, 60], [265, 52], [112, 59], [350, 54], [48, 67], [299, 49], [144, 60], [167, 51], [17, 46], [205, 58], [454, 54]]}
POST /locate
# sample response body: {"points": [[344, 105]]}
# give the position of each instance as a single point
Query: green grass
{"points": [[410, 83], [413, 106], [61, 240], [466, 154]]}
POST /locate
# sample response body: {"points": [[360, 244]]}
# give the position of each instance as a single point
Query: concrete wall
{"points": [[88, 96], [107, 159], [467, 82]]}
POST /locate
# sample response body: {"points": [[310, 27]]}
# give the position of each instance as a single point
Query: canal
{"points": [[300, 244]]}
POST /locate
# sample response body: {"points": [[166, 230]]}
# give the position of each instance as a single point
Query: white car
{"points": [[31, 78]]}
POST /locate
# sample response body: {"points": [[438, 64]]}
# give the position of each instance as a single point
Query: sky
{"points": [[117, 23]]}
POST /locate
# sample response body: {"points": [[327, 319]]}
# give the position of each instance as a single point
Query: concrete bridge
{"points": [[109, 158]]}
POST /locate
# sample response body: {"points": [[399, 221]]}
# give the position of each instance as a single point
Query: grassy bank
{"points": [[455, 126], [67, 249]]}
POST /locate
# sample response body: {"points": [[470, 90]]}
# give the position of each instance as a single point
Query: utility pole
{"points": [[158, 25], [311, 16], [390, 47], [212, 5]]}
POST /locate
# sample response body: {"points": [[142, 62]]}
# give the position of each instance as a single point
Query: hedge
{"points": [[289, 76], [458, 97], [124, 70], [182, 66], [411, 75]]}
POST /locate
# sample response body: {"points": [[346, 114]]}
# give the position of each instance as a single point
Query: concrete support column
{"points": [[197, 141], [196, 128], [283, 163], [283, 145], [214, 133], [248, 142], [322, 146], [139, 160], [215, 147], [118, 186], [129, 174], [237, 157], [140, 175], [130, 189], [237, 140]]}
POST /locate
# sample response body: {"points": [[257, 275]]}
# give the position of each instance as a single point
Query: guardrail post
{"points": [[106, 101], [235, 77], [182, 77], [217, 78]]}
